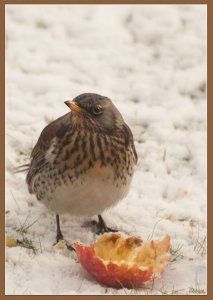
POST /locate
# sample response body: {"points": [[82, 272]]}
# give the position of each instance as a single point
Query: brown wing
{"points": [[57, 128]]}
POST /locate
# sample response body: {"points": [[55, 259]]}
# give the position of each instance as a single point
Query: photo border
{"points": [[2, 147]]}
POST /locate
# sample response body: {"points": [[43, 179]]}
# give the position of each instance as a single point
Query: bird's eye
{"points": [[97, 110]]}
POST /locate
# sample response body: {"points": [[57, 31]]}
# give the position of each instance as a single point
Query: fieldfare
{"points": [[83, 162]]}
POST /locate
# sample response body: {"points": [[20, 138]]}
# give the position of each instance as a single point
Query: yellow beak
{"points": [[73, 106]]}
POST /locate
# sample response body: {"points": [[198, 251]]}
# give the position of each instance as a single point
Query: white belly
{"points": [[89, 195]]}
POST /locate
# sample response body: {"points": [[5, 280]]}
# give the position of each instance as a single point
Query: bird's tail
{"points": [[21, 168]]}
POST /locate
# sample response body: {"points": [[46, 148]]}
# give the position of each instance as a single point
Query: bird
{"points": [[83, 162]]}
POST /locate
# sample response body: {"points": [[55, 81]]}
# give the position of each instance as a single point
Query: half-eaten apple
{"points": [[124, 262]]}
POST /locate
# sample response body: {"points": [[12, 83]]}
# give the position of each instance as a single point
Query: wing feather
{"points": [[56, 129]]}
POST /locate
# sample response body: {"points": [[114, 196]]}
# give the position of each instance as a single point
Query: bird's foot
{"points": [[101, 226], [69, 247], [61, 243], [60, 238]]}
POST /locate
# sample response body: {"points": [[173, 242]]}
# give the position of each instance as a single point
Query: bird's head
{"points": [[96, 112]]}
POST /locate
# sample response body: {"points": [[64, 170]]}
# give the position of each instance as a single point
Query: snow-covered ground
{"points": [[151, 61]]}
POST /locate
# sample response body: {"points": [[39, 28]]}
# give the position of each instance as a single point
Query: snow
{"points": [[151, 61]]}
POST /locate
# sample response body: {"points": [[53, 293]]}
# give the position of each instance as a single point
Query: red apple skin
{"points": [[113, 275]]}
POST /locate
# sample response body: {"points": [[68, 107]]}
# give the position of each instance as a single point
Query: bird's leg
{"points": [[59, 235], [102, 226]]}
